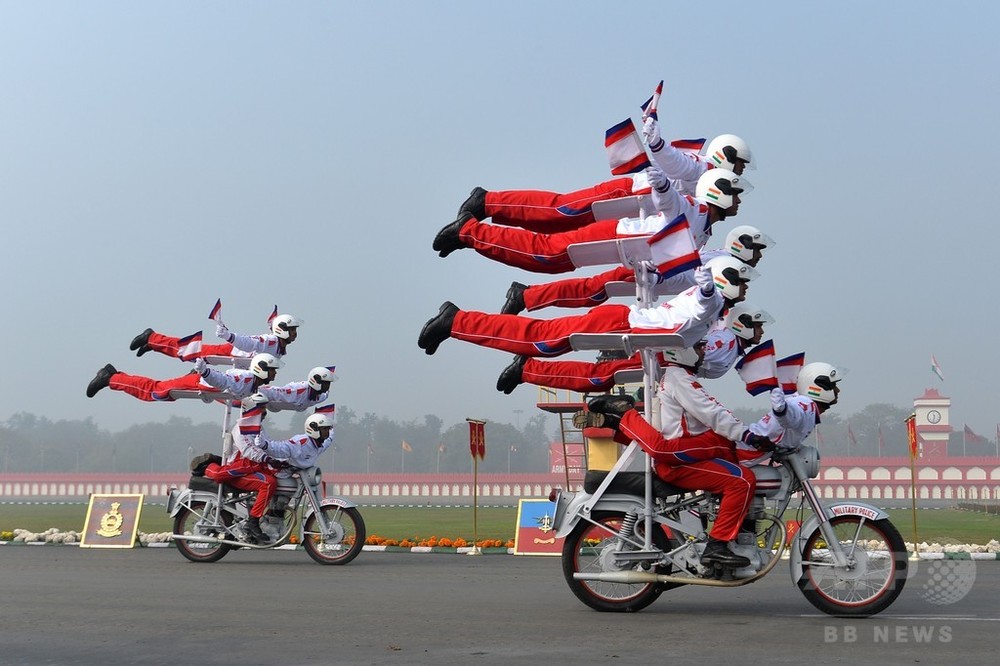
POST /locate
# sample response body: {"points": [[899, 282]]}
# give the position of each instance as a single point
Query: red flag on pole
{"points": [[881, 440], [477, 438], [850, 435], [274, 313], [911, 434]]}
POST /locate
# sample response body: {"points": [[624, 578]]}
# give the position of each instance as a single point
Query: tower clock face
{"points": [[934, 416]]}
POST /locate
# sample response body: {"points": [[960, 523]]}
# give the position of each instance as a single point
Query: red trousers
{"points": [[152, 390], [579, 376], [249, 476], [584, 292], [701, 462], [168, 345], [537, 337], [551, 211], [532, 251]]}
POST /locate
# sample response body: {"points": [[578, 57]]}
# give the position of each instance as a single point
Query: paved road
{"points": [[64, 605]]}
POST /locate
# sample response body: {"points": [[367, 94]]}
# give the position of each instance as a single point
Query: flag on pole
{"points": [[189, 346], [819, 438], [442, 448], [626, 153], [477, 438], [850, 436], [935, 368], [326, 409], [371, 449], [758, 369], [649, 106], [788, 371], [672, 248], [216, 313], [688, 145], [881, 440], [911, 435], [250, 420], [274, 313], [407, 447], [973, 437]]}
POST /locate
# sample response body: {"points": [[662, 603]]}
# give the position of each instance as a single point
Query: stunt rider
{"points": [[284, 331]]}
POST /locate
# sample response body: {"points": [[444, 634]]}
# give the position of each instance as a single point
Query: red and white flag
{"points": [[626, 154], [672, 248], [326, 409], [216, 313], [477, 438], [649, 106], [189, 347], [274, 313], [788, 371], [688, 145], [758, 369]]}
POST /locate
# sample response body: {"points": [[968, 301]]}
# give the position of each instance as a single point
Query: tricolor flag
{"points": [[935, 368], [326, 409], [274, 313], [788, 371], [649, 106], [626, 153], [477, 438], [250, 420], [216, 313], [406, 446], [688, 145], [672, 248], [758, 369], [189, 347]]}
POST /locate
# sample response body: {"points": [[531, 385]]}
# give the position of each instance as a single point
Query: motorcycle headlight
{"points": [[810, 457]]}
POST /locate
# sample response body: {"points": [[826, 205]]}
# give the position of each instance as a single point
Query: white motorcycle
{"points": [[629, 537], [210, 520]]}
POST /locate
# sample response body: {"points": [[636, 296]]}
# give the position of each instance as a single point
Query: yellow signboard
{"points": [[112, 521]]}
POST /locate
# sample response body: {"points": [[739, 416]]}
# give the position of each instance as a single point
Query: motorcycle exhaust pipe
{"points": [[213, 540], [644, 577]]}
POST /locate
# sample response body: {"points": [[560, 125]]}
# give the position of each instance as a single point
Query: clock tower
{"points": [[933, 425]]}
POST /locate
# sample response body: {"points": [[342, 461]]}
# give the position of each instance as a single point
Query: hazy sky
{"points": [[156, 156]]}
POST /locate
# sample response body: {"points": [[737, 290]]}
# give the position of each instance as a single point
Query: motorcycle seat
{"points": [[630, 483], [207, 485]]}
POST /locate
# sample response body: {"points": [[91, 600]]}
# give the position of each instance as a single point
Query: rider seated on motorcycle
{"points": [[696, 449]]}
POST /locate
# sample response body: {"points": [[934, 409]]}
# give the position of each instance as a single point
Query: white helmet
{"points": [[728, 273], [724, 150], [818, 381], [317, 421], [686, 356], [742, 240], [322, 374], [741, 319], [283, 322], [261, 363], [718, 186]]}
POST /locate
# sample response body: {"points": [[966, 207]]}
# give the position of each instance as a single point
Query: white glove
{"points": [[651, 132], [222, 332], [778, 401], [200, 366], [657, 178], [704, 279]]}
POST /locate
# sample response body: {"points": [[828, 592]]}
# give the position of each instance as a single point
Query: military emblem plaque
{"points": [[112, 521]]}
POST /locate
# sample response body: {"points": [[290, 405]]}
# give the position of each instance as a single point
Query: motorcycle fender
{"points": [[181, 497], [840, 509], [572, 514], [341, 502]]}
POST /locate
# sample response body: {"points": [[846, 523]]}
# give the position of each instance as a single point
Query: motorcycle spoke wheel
{"points": [[589, 549], [198, 519], [344, 541], [874, 579]]}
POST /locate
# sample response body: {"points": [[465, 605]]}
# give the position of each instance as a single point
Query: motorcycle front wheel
{"points": [[198, 519], [590, 548], [343, 543], [874, 579]]}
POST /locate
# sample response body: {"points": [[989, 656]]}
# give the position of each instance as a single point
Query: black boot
{"points": [[584, 419], [511, 377], [612, 404], [515, 299], [140, 341], [100, 380], [447, 240], [256, 534], [718, 552], [475, 205], [438, 328]]}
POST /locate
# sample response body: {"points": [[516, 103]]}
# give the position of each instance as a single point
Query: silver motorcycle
{"points": [[210, 519], [629, 537]]}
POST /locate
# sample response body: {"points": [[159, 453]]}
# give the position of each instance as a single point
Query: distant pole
{"points": [[517, 414]]}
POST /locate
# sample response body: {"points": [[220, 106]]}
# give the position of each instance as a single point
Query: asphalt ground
{"points": [[67, 605]]}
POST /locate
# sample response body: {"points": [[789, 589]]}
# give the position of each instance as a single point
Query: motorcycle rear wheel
{"points": [[871, 585], [583, 552], [189, 520], [341, 547]]}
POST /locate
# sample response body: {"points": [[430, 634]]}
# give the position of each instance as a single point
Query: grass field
{"points": [[933, 525]]}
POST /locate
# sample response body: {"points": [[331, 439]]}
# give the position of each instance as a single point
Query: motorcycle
{"points": [[210, 519], [629, 537]]}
